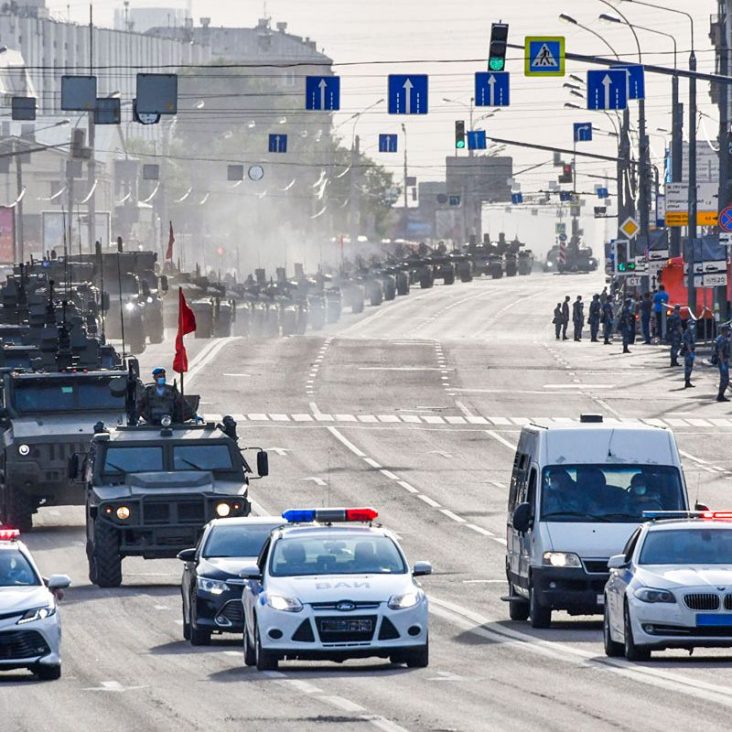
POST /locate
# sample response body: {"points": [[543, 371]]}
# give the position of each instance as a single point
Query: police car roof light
{"points": [[329, 515], [9, 534], [665, 515], [716, 515], [296, 515]]}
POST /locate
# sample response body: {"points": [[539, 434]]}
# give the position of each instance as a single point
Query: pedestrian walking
{"points": [[675, 330], [646, 308], [578, 317], [608, 316], [688, 350], [558, 320], [627, 323], [660, 301], [565, 317], [720, 356], [603, 295], [594, 317]]}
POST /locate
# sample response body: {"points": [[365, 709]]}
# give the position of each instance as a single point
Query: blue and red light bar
{"points": [[713, 515], [328, 515], [9, 534]]}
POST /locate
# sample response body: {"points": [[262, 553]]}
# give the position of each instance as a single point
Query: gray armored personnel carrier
{"points": [[151, 488]]}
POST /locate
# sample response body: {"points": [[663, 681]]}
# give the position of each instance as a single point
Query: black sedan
{"points": [[210, 587]]}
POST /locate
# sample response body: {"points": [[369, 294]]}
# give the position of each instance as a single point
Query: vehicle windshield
{"points": [[16, 570], [605, 492], [202, 457], [237, 540], [300, 556], [687, 546], [56, 395], [119, 460]]}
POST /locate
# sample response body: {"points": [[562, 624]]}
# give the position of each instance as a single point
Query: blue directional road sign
{"points": [[517, 198], [278, 143], [388, 143], [636, 81], [607, 89], [477, 140], [323, 93], [603, 192], [565, 195], [492, 89], [583, 131], [408, 93]]}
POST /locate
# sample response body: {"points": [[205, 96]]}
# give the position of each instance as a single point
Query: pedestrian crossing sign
{"points": [[544, 56]]}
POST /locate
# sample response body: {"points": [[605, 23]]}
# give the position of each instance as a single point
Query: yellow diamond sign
{"points": [[629, 227]]}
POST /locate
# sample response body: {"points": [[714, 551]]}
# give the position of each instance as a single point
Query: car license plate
{"points": [[706, 620], [600, 599], [347, 625]]}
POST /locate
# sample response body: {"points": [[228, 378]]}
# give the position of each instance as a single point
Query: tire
{"points": [[250, 654], [397, 658], [265, 661], [137, 341], [613, 649], [186, 624], [18, 509], [105, 568], [358, 304], [426, 279], [47, 673], [539, 616], [390, 290], [199, 637], [419, 658], [631, 651], [376, 296], [518, 609], [449, 277], [465, 273]]}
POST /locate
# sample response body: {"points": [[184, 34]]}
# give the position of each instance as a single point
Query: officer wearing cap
{"points": [[161, 399], [675, 330], [721, 356]]}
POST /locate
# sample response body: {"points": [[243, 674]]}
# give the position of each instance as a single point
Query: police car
{"points": [[672, 586], [30, 630], [326, 588]]}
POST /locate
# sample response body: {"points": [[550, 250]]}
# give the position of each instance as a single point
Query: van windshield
{"points": [[588, 493]]}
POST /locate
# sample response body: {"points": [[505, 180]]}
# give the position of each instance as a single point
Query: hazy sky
{"points": [[440, 35]]}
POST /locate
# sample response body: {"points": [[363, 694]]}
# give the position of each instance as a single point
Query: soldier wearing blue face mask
{"points": [[159, 400]]}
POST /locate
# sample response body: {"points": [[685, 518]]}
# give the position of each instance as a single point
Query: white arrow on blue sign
{"points": [[408, 94], [517, 198], [582, 131], [278, 143], [388, 143], [477, 140], [492, 89], [636, 81], [607, 89], [323, 93]]}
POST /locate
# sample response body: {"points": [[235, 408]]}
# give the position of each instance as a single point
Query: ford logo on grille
{"points": [[345, 606]]}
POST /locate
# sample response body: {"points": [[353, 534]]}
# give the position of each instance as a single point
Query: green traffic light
{"points": [[496, 63], [460, 144]]}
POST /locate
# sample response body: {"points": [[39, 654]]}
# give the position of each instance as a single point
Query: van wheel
{"points": [[518, 609], [613, 649], [541, 617]]}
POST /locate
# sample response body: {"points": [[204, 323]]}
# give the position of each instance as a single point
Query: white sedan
{"points": [[324, 591], [30, 631], [671, 587]]}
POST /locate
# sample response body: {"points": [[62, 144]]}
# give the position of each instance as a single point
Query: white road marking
{"points": [[237, 375], [305, 687], [389, 474], [208, 354], [453, 516], [302, 418], [372, 463], [500, 439], [400, 368], [281, 451], [346, 418], [258, 417], [279, 417], [113, 686], [429, 501], [388, 418], [479, 530], [384, 724], [407, 486], [345, 441], [161, 607], [345, 704], [318, 481], [367, 418]]}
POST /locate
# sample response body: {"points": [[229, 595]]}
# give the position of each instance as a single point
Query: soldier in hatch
{"points": [[160, 399]]}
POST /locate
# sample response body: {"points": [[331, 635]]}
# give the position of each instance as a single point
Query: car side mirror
{"points": [[521, 519], [251, 572], [58, 582], [72, 469], [187, 555], [262, 464], [701, 506], [617, 561], [421, 569]]}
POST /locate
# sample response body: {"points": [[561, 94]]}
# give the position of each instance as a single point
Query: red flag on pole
{"points": [[171, 241], [186, 324]]}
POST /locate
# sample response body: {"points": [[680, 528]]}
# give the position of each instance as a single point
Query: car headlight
{"points": [[408, 599], [37, 613], [129, 306], [223, 509], [24, 450], [562, 559], [123, 513], [650, 594], [212, 586], [286, 604]]}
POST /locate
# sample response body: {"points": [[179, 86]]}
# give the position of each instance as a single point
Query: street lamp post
{"points": [[406, 197]]}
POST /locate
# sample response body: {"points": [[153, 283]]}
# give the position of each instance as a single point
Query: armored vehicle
{"points": [[151, 488]]}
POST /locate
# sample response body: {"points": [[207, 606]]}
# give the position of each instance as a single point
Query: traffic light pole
{"points": [[724, 137], [677, 147], [692, 182], [355, 201]]}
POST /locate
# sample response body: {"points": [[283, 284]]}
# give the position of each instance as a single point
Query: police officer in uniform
{"points": [[627, 324], [688, 350], [675, 329], [578, 317], [594, 318], [608, 316], [565, 317], [722, 351], [160, 399], [558, 320]]}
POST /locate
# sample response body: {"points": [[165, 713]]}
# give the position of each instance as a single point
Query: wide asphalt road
{"points": [[413, 408]]}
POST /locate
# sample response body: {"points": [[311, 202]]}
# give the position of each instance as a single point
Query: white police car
{"points": [[30, 631], [325, 591], [672, 586]]}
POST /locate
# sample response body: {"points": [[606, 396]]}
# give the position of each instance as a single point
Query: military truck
{"points": [[151, 488]]}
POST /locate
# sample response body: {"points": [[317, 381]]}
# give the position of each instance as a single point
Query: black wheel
{"points": [[631, 650], [540, 616], [199, 636], [402, 283], [358, 303], [376, 296], [186, 624], [137, 341], [105, 562], [250, 654], [389, 289], [518, 609], [466, 274], [265, 660], [613, 649], [47, 673], [420, 657], [426, 279], [449, 277], [17, 509]]}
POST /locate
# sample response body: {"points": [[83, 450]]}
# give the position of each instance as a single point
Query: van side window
{"points": [[518, 481], [531, 490]]}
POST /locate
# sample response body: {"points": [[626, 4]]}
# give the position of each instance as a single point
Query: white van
{"points": [[578, 491]]}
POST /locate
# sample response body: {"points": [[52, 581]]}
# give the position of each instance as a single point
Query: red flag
{"points": [[171, 241], [186, 324]]}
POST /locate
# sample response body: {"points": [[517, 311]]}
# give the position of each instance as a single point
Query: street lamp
{"points": [[570, 105]]}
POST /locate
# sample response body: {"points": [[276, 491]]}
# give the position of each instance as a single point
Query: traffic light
{"points": [[497, 49], [460, 135], [624, 262], [566, 175]]}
